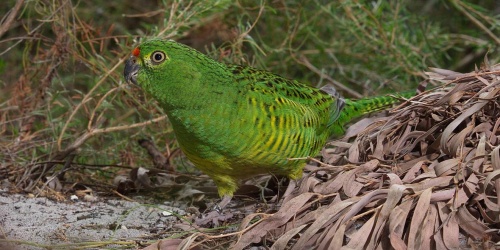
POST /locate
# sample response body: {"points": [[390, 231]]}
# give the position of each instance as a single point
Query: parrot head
{"points": [[149, 58], [171, 72], [157, 60]]}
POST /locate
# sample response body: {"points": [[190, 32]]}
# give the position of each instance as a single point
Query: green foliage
{"points": [[370, 47], [61, 62]]}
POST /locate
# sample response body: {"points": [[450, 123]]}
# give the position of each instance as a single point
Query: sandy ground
{"points": [[45, 223]]}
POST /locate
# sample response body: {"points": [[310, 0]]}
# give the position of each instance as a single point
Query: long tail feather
{"points": [[354, 109]]}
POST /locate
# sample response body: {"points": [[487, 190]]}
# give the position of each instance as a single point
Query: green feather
{"points": [[234, 122]]}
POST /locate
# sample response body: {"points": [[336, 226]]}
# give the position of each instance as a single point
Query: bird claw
{"points": [[215, 217]]}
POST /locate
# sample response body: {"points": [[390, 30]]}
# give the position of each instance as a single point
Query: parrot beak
{"points": [[131, 69]]}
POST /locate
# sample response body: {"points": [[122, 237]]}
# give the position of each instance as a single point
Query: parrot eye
{"points": [[158, 57]]}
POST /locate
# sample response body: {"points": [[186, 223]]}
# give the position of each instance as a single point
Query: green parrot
{"points": [[234, 122]]}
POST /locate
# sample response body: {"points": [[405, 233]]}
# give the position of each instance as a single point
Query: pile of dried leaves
{"points": [[426, 177]]}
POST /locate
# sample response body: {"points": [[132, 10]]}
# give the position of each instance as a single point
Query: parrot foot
{"points": [[216, 215]]}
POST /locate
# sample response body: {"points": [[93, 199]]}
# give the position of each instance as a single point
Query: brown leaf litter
{"points": [[426, 177]]}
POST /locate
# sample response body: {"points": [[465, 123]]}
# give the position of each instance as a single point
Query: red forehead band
{"points": [[136, 52]]}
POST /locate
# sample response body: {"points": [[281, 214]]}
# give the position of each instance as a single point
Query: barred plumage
{"points": [[234, 122]]}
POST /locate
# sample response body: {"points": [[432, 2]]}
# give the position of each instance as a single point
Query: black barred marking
{"points": [[321, 101], [256, 121], [269, 108], [281, 143], [308, 123], [280, 119], [289, 117]]}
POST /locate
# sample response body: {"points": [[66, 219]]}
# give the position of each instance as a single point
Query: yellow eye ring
{"points": [[158, 57]]}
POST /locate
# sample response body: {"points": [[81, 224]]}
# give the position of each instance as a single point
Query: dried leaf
{"points": [[282, 242], [443, 181], [444, 72], [470, 224], [446, 167], [480, 151], [350, 185], [169, 244], [427, 229], [278, 219], [412, 172], [490, 204], [338, 239], [397, 221], [450, 231], [332, 213], [354, 152], [394, 179], [360, 239], [447, 133], [414, 241], [398, 217], [333, 185]]}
